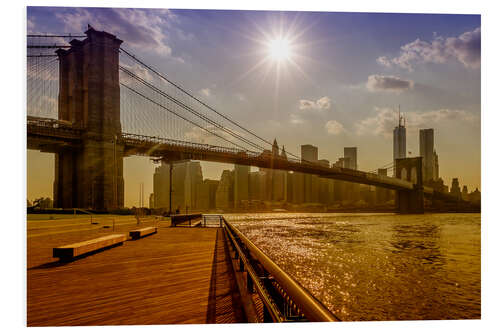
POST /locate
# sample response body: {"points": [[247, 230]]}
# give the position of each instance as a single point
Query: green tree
{"points": [[43, 203]]}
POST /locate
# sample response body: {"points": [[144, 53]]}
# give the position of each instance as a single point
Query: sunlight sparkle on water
{"points": [[377, 266]]}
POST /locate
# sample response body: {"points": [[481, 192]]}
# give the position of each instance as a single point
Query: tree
{"points": [[43, 203]]}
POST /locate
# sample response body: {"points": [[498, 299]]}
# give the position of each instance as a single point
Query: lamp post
{"points": [[115, 182], [170, 189]]}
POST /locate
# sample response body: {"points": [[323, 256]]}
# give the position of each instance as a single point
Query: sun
{"points": [[279, 49]]}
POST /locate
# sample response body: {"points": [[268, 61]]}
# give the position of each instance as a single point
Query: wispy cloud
{"points": [[311, 110], [323, 103], [295, 119], [465, 48], [388, 83], [206, 92], [333, 127], [143, 29], [31, 25], [240, 97], [384, 120], [138, 70]]}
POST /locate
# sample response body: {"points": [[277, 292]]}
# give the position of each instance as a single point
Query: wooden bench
{"points": [[138, 233], [71, 251]]}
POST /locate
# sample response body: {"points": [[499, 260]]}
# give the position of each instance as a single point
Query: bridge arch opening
{"points": [[39, 175], [404, 174], [413, 175]]}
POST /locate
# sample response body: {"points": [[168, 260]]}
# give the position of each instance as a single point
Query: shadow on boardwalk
{"points": [[177, 276], [224, 304]]}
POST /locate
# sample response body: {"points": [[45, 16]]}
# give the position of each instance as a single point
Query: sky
{"points": [[332, 80]]}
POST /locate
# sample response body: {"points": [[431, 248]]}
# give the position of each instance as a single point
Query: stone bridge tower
{"points": [[411, 201], [90, 175]]}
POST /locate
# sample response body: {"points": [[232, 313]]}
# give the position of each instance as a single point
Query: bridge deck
{"points": [[177, 276]]}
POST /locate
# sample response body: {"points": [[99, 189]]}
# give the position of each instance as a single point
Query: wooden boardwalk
{"points": [[177, 276]]}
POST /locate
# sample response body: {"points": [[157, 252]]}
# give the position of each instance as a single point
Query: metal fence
{"points": [[284, 299]]}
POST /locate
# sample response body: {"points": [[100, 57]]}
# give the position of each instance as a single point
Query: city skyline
{"points": [[439, 89]]}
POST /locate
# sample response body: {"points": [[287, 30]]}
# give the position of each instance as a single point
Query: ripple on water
{"points": [[378, 266]]}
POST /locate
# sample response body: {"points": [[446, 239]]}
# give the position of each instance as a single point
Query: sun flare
{"points": [[279, 49]]}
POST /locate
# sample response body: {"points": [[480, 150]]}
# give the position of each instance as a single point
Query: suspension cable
{"points": [[178, 115], [201, 102], [191, 110]]}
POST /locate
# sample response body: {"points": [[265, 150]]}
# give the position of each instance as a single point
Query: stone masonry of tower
{"points": [[90, 176]]}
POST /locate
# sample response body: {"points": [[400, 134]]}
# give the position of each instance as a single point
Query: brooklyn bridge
{"points": [[92, 103]]}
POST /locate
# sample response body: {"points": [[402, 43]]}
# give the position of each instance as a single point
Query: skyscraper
{"points": [[351, 158], [161, 186], [399, 139], [185, 179], [455, 189], [427, 153], [309, 153], [241, 178], [351, 190], [193, 178], [224, 196], [436, 167]]}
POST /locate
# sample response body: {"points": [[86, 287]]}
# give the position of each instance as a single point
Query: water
{"points": [[378, 266]]}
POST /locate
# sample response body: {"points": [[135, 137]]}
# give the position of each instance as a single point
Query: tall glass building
{"points": [[399, 140]]}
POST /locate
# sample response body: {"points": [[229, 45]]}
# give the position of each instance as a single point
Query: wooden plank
{"points": [[177, 277], [78, 249], [138, 233]]}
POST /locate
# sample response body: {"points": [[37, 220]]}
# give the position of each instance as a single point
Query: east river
{"points": [[378, 266]]}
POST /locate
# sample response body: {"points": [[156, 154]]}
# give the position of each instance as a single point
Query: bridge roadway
{"points": [[177, 276], [50, 135]]}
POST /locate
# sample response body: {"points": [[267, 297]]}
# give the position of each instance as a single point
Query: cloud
{"points": [[324, 103], [142, 29], [388, 83], [240, 97], [385, 119], [465, 48], [138, 70], [384, 61], [295, 119], [31, 25], [334, 127], [206, 92]]}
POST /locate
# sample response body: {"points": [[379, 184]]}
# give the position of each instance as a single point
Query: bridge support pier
{"points": [[410, 201], [90, 175]]}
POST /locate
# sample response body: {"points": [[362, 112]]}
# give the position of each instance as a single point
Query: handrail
{"points": [[312, 309], [180, 218]]}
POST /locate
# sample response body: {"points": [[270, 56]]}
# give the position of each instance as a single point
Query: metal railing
{"points": [[284, 299], [142, 144], [177, 219]]}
